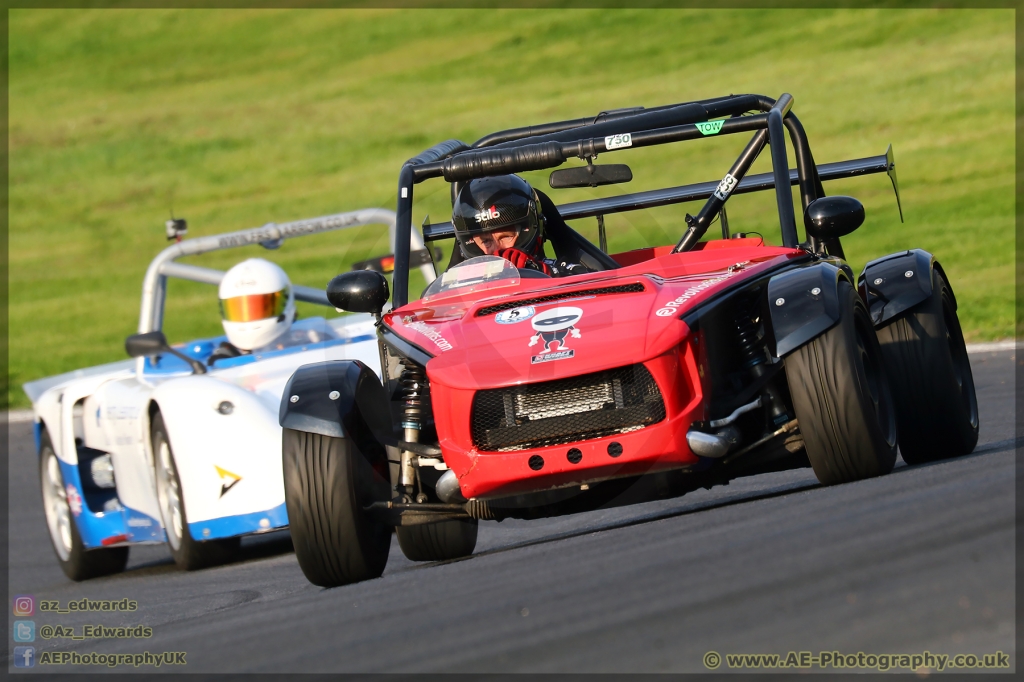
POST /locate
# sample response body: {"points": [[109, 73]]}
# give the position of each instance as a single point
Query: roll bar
{"points": [[271, 235], [550, 145]]}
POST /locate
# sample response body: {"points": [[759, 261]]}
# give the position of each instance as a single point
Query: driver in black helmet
{"points": [[499, 216]]}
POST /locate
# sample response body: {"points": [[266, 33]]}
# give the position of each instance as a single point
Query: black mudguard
{"points": [[803, 304], [893, 284], [360, 409]]}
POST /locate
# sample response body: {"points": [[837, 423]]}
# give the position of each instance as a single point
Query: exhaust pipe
{"points": [[448, 489], [713, 445]]}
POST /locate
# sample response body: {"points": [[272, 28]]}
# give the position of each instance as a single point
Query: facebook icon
{"points": [[24, 656]]}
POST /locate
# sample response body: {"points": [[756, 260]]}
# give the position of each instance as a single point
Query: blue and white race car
{"points": [[168, 448]]}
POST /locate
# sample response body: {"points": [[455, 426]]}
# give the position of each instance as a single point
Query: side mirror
{"points": [[590, 176], [832, 217], [359, 291], [155, 343]]}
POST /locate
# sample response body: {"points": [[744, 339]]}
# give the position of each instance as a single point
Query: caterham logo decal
{"points": [[552, 327], [227, 479]]}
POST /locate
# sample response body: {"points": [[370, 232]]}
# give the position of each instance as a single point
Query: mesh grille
{"points": [[566, 410], [621, 289]]}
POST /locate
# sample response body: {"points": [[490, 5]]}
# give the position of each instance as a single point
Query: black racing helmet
{"points": [[502, 202]]}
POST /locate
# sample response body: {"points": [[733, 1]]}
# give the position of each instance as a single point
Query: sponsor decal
{"points": [[672, 306], [515, 315], [117, 412], [725, 187], [618, 141], [557, 355], [552, 327], [434, 336], [288, 230], [710, 127], [227, 479], [74, 499], [489, 214]]}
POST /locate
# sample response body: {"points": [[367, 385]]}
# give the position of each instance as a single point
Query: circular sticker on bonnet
{"points": [[515, 315]]}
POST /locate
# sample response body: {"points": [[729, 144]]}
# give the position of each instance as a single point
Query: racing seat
{"points": [[569, 245]]}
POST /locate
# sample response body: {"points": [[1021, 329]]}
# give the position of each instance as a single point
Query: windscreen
{"points": [[482, 272]]}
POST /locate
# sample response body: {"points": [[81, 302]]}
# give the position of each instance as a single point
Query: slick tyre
{"points": [[76, 561], [930, 375], [440, 541], [842, 398], [328, 483], [189, 554]]}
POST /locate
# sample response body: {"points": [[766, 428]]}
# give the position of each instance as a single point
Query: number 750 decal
{"points": [[725, 187], [618, 141]]}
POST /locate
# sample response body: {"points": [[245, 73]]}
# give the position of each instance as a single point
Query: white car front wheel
{"points": [[75, 560], [189, 554]]}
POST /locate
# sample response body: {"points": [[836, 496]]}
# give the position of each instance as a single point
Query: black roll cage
{"points": [[551, 144]]}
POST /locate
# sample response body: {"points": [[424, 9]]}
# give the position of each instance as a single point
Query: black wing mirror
{"points": [[155, 343], [590, 176], [359, 291], [831, 217]]}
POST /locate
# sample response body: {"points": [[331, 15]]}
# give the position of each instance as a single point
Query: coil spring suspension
{"points": [[414, 395], [751, 346]]}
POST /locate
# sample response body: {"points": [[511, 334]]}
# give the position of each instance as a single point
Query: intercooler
{"points": [[566, 410]]}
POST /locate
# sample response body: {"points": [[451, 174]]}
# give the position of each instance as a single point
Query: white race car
{"points": [[164, 448]]}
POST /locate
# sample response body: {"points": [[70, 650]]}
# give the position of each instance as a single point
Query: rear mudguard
{"points": [[803, 304], [893, 284], [339, 398]]}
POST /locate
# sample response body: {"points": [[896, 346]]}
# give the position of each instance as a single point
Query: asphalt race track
{"points": [[922, 559]]}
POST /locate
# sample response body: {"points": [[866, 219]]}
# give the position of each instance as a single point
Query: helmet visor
{"points": [[253, 306]]}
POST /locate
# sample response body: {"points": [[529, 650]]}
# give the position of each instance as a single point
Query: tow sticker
{"points": [[515, 315], [552, 327], [710, 127], [618, 141]]}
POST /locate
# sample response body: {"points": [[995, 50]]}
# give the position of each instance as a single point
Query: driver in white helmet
{"points": [[257, 307]]}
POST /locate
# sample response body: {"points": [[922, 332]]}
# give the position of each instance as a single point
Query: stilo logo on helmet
{"points": [[490, 214], [505, 202]]}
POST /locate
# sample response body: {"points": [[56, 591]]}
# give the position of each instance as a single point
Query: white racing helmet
{"points": [[256, 303]]}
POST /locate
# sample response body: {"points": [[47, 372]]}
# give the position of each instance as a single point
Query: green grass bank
{"points": [[236, 118]]}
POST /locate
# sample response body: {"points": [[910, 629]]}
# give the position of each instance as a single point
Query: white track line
{"points": [[25, 416], [992, 347]]}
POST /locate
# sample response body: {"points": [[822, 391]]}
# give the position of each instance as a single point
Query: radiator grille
{"points": [[566, 410], [634, 288]]}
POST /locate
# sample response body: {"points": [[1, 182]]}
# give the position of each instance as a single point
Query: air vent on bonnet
{"points": [[634, 288]]}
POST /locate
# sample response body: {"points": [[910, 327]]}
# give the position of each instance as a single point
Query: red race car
{"points": [[521, 385]]}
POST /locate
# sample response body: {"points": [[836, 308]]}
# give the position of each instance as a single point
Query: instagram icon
{"points": [[24, 605]]}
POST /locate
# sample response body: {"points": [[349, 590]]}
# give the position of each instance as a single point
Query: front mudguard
{"points": [[803, 304], [894, 284], [338, 398]]}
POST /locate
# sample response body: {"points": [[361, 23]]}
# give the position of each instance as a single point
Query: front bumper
{"points": [[655, 447]]}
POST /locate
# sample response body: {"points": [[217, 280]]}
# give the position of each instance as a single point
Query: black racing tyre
{"points": [[930, 375], [327, 484], [189, 554], [75, 560], [842, 398], [439, 541]]}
